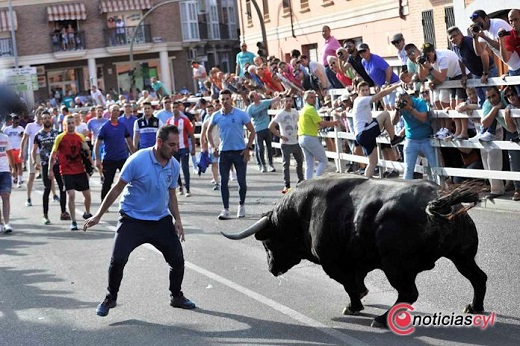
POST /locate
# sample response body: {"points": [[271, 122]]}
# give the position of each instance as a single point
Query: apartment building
{"points": [[297, 24], [74, 44]]}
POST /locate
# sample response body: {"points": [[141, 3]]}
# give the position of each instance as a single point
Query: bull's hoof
{"points": [[351, 312], [469, 309], [376, 323], [363, 294]]}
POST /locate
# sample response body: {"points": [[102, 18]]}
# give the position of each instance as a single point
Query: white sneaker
{"points": [[475, 139], [224, 214], [442, 133], [271, 168], [8, 228], [487, 137], [241, 212]]}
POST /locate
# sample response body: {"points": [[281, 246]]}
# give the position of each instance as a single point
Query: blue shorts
{"points": [[6, 182], [367, 137], [212, 157]]}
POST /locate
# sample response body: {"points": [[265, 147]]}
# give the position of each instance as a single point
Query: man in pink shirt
{"points": [[329, 49]]}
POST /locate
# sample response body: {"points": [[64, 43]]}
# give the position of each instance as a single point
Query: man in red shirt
{"points": [[67, 149], [509, 42], [186, 129]]}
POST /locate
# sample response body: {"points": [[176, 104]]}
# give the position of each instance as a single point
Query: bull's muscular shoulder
{"points": [[355, 198]]}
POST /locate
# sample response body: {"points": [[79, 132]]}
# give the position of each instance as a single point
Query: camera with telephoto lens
{"points": [[422, 59], [401, 104], [503, 33]]}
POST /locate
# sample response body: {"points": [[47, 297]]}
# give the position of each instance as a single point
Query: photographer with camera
{"points": [[509, 42], [418, 131], [481, 67], [484, 31], [442, 65]]}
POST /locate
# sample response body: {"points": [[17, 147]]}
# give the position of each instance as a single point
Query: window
{"points": [[214, 29], [6, 44], [266, 9], [304, 6], [428, 26], [249, 14], [449, 18], [286, 4], [190, 22], [229, 17]]}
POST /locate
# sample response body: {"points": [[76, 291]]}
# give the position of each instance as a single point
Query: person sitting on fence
{"points": [[513, 128], [418, 131], [368, 129]]}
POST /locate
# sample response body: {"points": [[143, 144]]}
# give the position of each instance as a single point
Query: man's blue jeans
{"points": [[226, 160], [412, 149]]}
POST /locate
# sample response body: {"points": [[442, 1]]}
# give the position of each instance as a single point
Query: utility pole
{"points": [[262, 26]]}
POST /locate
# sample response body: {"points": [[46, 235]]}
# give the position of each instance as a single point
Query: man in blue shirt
{"points": [[379, 71], [257, 110], [418, 131], [165, 113], [118, 143], [128, 118], [243, 58], [232, 150], [148, 181]]}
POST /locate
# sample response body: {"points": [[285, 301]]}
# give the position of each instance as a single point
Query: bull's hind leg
{"points": [[471, 271], [404, 283]]}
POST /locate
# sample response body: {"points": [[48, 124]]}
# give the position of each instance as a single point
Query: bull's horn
{"points": [[258, 226]]}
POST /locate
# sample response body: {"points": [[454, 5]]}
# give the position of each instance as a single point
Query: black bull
{"points": [[352, 226]]}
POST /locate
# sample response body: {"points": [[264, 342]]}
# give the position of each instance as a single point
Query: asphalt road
{"points": [[51, 280]]}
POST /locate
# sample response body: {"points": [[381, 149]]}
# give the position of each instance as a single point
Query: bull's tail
{"points": [[446, 205]]}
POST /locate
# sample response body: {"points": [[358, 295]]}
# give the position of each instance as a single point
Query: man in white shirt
{"points": [[199, 75], [31, 129], [97, 97], [286, 121], [15, 133], [485, 32]]}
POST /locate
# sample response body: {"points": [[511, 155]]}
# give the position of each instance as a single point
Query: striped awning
{"points": [[67, 12], [5, 21], [123, 5]]}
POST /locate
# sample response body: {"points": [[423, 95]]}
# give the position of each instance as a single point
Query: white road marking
{"points": [[295, 315]]}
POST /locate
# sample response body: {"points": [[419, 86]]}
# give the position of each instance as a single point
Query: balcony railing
{"points": [[122, 36], [64, 42], [6, 48]]}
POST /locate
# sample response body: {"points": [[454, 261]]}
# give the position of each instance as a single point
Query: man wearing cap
{"points": [[398, 42], [243, 58], [330, 46], [380, 72], [355, 60], [485, 32]]}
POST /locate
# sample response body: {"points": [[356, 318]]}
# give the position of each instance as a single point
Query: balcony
{"points": [[68, 46], [68, 42], [6, 48], [118, 37]]}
